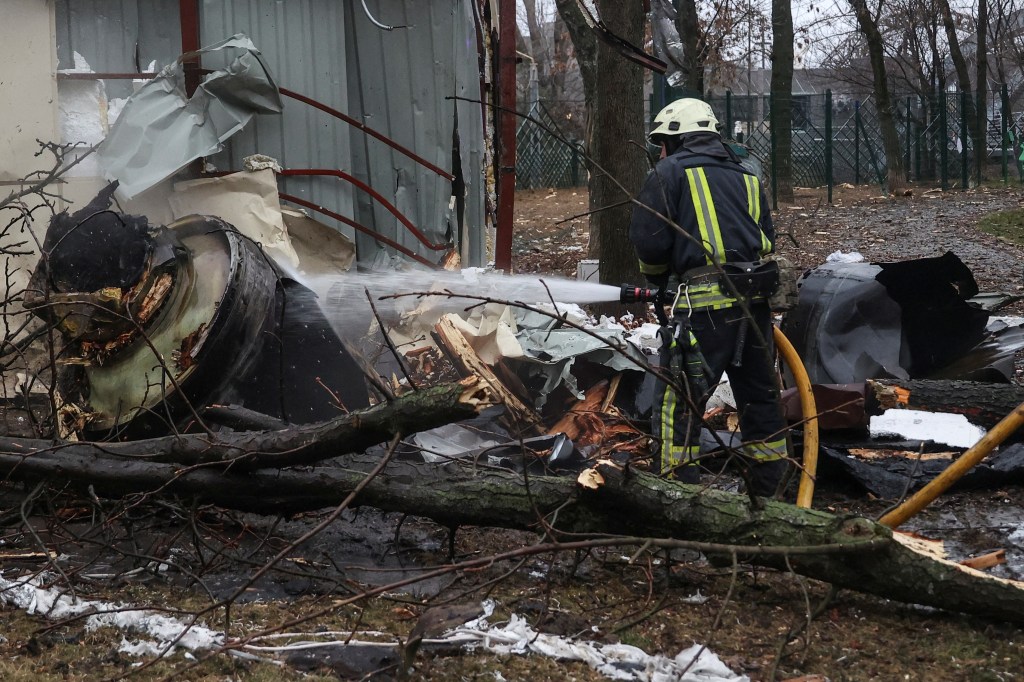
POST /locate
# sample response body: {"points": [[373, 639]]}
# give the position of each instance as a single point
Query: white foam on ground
{"points": [[950, 429], [167, 633]]}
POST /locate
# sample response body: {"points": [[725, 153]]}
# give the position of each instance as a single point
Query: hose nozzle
{"points": [[633, 294]]}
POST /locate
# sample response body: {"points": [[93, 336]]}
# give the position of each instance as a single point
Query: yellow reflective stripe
{"points": [[755, 199], [751, 196], [711, 296], [680, 456], [754, 209], [669, 458], [766, 451], [648, 269], [707, 218]]}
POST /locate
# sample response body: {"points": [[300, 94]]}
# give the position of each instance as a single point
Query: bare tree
{"points": [[963, 75], [782, 98], [868, 23], [615, 132], [980, 119]]}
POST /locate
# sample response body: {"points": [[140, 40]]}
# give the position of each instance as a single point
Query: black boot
{"points": [[766, 477], [687, 473]]}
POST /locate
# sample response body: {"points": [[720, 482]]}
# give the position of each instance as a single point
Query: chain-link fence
{"points": [[543, 157], [838, 138]]}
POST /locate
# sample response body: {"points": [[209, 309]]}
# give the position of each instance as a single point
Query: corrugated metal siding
{"points": [[394, 81], [401, 79], [108, 33], [303, 45]]}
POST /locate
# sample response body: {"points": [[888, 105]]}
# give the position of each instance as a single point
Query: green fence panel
{"points": [[543, 157]]}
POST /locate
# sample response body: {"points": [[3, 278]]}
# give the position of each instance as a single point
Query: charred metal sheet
{"points": [[859, 321], [892, 475]]}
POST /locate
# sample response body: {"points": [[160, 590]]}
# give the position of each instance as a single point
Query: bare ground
{"points": [[745, 616], [858, 638]]}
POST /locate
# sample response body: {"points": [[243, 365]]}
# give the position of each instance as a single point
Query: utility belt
{"points": [[722, 286], [771, 280]]}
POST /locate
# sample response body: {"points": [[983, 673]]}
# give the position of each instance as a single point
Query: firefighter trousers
{"points": [[753, 384]]}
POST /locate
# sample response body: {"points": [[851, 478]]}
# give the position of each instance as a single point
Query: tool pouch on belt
{"points": [[759, 279], [785, 297]]}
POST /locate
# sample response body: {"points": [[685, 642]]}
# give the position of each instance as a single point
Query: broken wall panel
{"points": [[396, 82], [118, 36], [303, 44], [399, 82]]}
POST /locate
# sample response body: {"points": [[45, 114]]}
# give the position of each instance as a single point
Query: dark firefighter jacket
{"points": [[715, 200]]}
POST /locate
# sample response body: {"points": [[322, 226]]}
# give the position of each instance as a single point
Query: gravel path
{"points": [[926, 223], [905, 228]]}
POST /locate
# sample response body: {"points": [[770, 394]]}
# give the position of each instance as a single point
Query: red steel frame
{"points": [[506, 108]]}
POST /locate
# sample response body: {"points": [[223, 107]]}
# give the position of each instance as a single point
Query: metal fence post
{"points": [[828, 143], [916, 152], [944, 140], [728, 113], [907, 135], [1004, 96], [775, 165], [964, 156], [856, 142], [574, 168]]}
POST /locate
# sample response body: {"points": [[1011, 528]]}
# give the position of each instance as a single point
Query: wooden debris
{"points": [[984, 561], [984, 404], [468, 363], [590, 423]]}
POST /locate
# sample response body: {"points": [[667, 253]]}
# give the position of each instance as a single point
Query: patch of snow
{"points": [[941, 427], [169, 633], [645, 337], [614, 661], [841, 257], [609, 323]]}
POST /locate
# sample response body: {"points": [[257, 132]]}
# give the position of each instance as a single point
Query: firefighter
{"points": [[720, 231]]}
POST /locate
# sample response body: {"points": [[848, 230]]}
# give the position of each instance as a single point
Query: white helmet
{"points": [[687, 115]]}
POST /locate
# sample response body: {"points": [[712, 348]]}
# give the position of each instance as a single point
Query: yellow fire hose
{"points": [[951, 474], [810, 411]]}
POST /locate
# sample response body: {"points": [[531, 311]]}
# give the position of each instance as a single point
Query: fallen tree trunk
{"points": [[982, 403], [627, 502], [292, 446]]}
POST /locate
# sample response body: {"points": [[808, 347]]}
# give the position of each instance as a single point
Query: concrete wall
{"points": [[28, 86]]}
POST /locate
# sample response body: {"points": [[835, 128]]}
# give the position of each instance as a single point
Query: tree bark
{"points": [[782, 97], [298, 445], [981, 94], [455, 494], [983, 404], [618, 146], [963, 75], [883, 100], [688, 28]]}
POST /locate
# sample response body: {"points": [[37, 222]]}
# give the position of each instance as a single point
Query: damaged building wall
{"points": [[28, 96], [28, 112], [395, 81]]}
